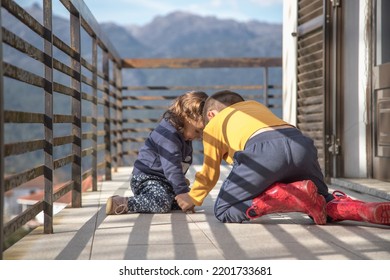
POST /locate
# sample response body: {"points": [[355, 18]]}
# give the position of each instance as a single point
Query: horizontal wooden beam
{"points": [[244, 62], [188, 88]]}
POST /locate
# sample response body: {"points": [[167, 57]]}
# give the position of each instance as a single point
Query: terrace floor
{"points": [[87, 233]]}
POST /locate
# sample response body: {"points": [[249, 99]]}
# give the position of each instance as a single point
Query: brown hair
{"points": [[186, 106], [220, 100]]}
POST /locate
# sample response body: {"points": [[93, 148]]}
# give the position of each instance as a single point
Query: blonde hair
{"points": [[184, 107]]}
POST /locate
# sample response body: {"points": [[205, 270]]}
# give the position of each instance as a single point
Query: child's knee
{"points": [[222, 216], [228, 219], [165, 208], [230, 215]]}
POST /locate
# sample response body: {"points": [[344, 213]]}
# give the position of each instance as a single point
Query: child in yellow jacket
{"points": [[274, 168]]}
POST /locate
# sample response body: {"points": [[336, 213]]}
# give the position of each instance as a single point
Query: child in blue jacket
{"points": [[159, 171]]}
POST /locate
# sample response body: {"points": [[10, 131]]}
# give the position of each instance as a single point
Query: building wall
{"points": [[354, 71], [353, 92], [289, 61]]}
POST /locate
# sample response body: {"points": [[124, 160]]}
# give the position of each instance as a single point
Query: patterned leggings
{"points": [[152, 194]]}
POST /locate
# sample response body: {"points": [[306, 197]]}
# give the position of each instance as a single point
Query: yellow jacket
{"points": [[226, 134]]}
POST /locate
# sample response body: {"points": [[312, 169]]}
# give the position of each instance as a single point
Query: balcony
{"points": [[86, 233], [86, 155]]}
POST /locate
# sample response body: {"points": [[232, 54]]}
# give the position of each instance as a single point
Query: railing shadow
{"points": [[83, 239]]}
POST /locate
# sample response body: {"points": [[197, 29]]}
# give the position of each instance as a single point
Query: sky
{"points": [[141, 12]]}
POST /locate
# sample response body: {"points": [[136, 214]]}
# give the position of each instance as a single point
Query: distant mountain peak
{"points": [[183, 34], [181, 14]]}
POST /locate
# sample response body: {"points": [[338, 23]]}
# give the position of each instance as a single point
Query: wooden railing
{"points": [[92, 81], [265, 92], [85, 122]]}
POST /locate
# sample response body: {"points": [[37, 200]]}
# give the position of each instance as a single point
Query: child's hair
{"points": [[220, 100], [186, 106]]}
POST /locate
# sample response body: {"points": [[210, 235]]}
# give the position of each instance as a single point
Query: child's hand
{"points": [[185, 202]]}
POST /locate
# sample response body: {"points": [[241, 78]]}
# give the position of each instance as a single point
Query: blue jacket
{"points": [[166, 154]]}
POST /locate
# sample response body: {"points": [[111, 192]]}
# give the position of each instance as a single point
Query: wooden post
{"points": [[1, 146], [118, 117], [76, 108], [107, 120], [94, 115], [48, 120], [265, 82]]}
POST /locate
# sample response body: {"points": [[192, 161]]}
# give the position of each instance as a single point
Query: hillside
{"points": [[180, 34], [176, 35]]}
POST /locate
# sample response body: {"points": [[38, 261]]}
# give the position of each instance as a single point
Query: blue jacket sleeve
{"points": [[170, 147]]}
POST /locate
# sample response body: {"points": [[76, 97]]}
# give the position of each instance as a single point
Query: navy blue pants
{"points": [[152, 194], [284, 155]]}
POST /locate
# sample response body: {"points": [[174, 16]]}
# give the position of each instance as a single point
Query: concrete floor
{"points": [[88, 234]]}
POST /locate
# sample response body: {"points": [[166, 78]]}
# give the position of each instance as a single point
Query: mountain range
{"points": [[182, 34], [178, 34], [175, 35]]}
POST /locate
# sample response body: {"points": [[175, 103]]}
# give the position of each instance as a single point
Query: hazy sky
{"points": [[140, 12]]}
